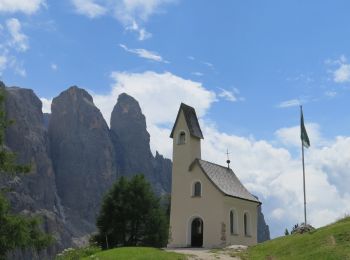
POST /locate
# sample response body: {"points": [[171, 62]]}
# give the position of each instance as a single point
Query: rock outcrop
{"points": [[46, 118], [162, 172], [35, 192], [132, 143], [263, 228], [83, 157]]}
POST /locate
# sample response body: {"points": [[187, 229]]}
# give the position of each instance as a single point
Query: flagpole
{"points": [[302, 153]]}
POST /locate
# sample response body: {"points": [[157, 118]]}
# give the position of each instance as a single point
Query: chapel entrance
{"points": [[197, 232]]}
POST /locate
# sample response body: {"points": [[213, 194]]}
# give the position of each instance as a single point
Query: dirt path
{"points": [[207, 254]]}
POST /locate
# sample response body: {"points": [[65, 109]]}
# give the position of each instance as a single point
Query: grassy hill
{"points": [[329, 242], [137, 253], [326, 243]]}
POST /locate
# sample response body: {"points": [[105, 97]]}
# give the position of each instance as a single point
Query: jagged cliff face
{"points": [[162, 172], [263, 228], [28, 136], [130, 137], [34, 192], [82, 155], [131, 141]]}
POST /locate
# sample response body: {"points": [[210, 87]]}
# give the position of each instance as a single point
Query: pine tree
{"points": [[286, 232], [131, 215], [16, 231]]}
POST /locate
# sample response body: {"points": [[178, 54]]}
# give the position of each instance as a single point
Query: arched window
{"points": [[246, 224], [233, 222], [197, 189], [181, 138]]}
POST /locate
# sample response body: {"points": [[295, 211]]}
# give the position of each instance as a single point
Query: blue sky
{"points": [[244, 65]]}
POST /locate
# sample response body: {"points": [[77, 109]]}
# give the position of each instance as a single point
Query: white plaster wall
{"points": [[241, 206]]}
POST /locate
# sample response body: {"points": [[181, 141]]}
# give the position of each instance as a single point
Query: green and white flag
{"points": [[303, 134]]}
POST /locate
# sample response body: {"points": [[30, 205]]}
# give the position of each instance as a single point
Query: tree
{"points": [[286, 232], [16, 231], [131, 215]]}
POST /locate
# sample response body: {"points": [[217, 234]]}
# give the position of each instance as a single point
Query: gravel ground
{"points": [[208, 254]]}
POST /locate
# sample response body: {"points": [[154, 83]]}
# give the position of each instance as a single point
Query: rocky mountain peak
{"points": [[132, 145], [127, 113], [75, 96], [76, 93], [82, 155], [24, 95], [127, 101], [130, 137]]}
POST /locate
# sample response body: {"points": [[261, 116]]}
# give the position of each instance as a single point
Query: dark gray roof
{"points": [[191, 121], [225, 180]]}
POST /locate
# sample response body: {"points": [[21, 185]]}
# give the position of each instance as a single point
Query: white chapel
{"points": [[209, 205]]}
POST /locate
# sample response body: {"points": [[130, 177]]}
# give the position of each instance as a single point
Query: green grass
{"points": [[137, 253], [329, 242]]}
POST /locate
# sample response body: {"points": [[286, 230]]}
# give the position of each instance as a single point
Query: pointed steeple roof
{"points": [[191, 121]]}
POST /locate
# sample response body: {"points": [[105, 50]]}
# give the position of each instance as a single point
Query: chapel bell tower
{"points": [[186, 135]]}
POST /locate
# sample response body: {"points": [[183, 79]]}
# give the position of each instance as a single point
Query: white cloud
{"points": [[278, 213], [19, 69], [330, 94], [142, 53], [54, 66], [166, 88], [335, 158], [142, 33], [46, 108], [342, 74], [210, 65], [18, 39], [196, 73], [8, 61], [228, 95], [132, 14], [290, 103], [23, 6], [12, 42], [89, 8], [301, 77], [340, 60], [290, 136]]}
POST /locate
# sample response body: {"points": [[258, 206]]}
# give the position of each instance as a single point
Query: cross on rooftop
{"points": [[228, 159]]}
